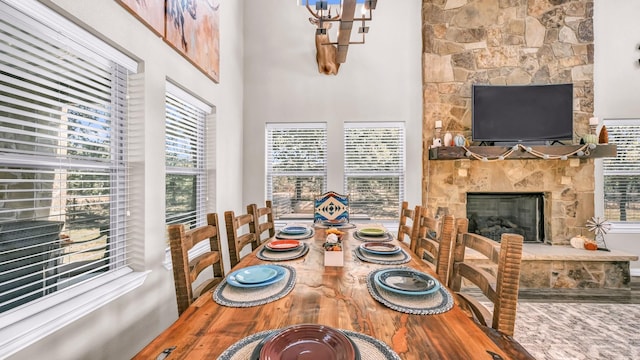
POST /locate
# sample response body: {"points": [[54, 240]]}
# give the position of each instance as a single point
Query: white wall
{"points": [[380, 81], [617, 89], [120, 329]]}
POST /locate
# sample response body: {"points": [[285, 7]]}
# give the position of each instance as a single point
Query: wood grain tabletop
{"points": [[332, 296]]}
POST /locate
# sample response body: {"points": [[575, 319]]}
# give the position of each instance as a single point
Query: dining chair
{"points": [[427, 226], [501, 289], [264, 213], [186, 270], [408, 230], [331, 206], [434, 239], [240, 234]]}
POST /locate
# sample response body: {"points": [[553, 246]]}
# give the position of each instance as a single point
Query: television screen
{"points": [[522, 113]]}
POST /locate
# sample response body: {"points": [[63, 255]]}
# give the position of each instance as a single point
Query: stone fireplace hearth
{"points": [[567, 186]]}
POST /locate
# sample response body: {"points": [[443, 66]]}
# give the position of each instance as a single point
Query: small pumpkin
{"points": [[590, 244], [590, 139], [459, 140]]}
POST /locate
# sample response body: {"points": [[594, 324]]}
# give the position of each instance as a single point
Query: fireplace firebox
{"points": [[492, 214]]}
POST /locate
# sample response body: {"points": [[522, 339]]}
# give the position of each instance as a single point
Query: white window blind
{"points": [[186, 181], [296, 166], [622, 173], [63, 159], [374, 168]]}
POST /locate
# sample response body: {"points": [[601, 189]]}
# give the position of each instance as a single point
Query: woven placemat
{"points": [[394, 259], [341, 226], [369, 347], [386, 237], [233, 296], [435, 303], [307, 235], [268, 255]]}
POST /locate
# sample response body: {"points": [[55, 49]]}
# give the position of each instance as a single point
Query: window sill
{"points": [[27, 324], [624, 228]]}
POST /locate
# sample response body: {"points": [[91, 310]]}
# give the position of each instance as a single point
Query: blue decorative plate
{"points": [[294, 230], [280, 274], [406, 282], [255, 274]]}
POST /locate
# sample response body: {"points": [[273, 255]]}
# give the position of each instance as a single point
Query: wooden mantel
{"points": [[459, 152]]}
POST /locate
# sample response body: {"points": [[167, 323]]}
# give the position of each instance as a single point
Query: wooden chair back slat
{"points": [[263, 220], [408, 229], [185, 270], [435, 237], [239, 234], [501, 289]]}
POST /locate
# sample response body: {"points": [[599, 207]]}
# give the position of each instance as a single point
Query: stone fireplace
{"points": [[514, 42], [507, 43], [493, 214]]}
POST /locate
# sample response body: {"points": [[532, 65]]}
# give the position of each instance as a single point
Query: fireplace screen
{"points": [[492, 214]]}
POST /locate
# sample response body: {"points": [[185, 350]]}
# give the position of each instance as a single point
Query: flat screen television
{"points": [[533, 114]]}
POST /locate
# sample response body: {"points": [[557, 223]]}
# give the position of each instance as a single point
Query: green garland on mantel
{"points": [[583, 150]]}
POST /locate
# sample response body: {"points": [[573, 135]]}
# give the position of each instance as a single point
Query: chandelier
{"points": [[343, 12]]}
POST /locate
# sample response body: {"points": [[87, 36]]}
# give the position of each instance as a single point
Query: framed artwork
{"points": [[150, 12], [193, 29]]}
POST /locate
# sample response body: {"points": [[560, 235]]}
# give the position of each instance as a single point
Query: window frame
{"points": [[616, 226], [399, 172], [26, 324], [199, 114], [320, 171], [338, 174]]}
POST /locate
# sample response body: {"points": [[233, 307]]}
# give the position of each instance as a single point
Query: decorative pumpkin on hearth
{"points": [[590, 244]]}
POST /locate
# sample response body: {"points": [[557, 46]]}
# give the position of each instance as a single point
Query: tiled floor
{"points": [[579, 331], [566, 329]]}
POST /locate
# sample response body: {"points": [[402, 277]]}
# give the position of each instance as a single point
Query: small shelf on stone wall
{"points": [[522, 153]]}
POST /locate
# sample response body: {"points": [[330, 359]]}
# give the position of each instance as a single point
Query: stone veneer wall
{"points": [[507, 42]]}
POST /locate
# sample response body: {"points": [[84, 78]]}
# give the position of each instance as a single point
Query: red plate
{"points": [[308, 341], [280, 245]]}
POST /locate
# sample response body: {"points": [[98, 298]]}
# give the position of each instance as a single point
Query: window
{"points": [[63, 156], [622, 173], [296, 166], [186, 181], [374, 168]]}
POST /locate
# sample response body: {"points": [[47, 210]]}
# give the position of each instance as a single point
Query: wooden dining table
{"points": [[338, 297]]}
